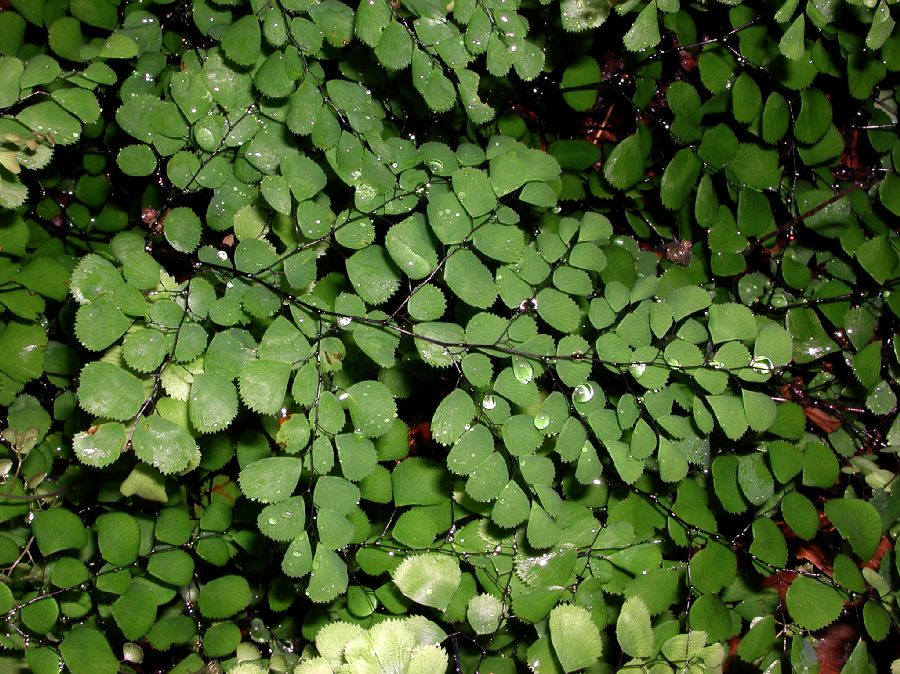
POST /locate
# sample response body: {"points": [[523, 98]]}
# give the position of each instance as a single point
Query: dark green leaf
{"points": [[579, 82], [858, 521], [679, 178], [812, 603], [241, 40], [85, 651], [223, 597], [625, 165]]}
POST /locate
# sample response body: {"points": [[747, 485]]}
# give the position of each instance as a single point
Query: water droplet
{"points": [[273, 521], [762, 364], [522, 370], [344, 321], [583, 393], [489, 402], [541, 421]]}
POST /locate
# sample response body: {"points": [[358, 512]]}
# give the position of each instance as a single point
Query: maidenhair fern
{"points": [[413, 336]]}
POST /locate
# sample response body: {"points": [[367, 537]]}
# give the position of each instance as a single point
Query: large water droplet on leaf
{"points": [[583, 393], [762, 364], [522, 370]]}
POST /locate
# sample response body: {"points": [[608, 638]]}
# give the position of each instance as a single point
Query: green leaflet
{"points": [[58, 529], [730, 322], [470, 279], [373, 275], [100, 323], [474, 191], [713, 568], [755, 479], [488, 478], [625, 165], [224, 596], [452, 417], [270, 479], [557, 309], [858, 522], [633, 629], [758, 640], [448, 219], [335, 493], [221, 639], [730, 414], [473, 447], [241, 40], [50, 117], [813, 604], [511, 507], [580, 16], [213, 402], [513, 169], [477, 110], [85, 650], [768, 543], [578, 80], [172, 566], [484, 613], [878, 258], [429, 579], [755, 167], [791, 43], [800, 514], [297, 561], [356, 455], [411, 247], [135, 611], [101, 445], [109, 391], [164, 444], [439, 344], [644, 32], [395, 47], [371, 406], [146, 482], [679, 178], [283, 342], [182, 228], [118, 536], [263, 384], [11, 71], [746, 99], [575, 639]]}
